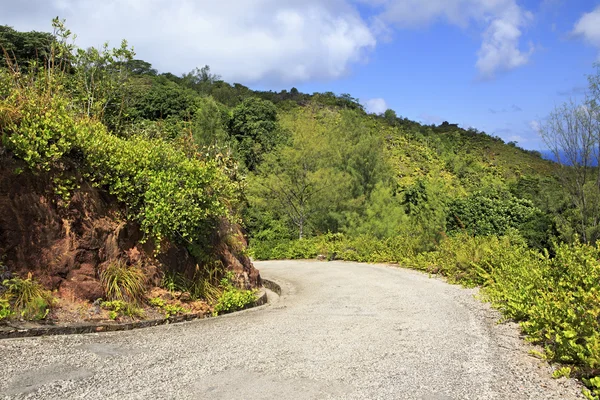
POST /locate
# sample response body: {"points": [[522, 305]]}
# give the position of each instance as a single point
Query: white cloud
{"points": [[376, 106], [273, 41], [588, 27], [517, 138], [242, 40], [504, 21], [535, 126]]}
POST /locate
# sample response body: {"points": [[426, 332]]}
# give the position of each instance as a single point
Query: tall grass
{"points": [[124, 283]]}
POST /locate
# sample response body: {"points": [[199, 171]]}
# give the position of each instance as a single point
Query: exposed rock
{"points": [[65, 245]]}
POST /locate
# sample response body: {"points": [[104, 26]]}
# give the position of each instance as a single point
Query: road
{"points": [[339, 331]]}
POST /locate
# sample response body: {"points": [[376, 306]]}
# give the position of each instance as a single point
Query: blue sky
{"points": [[497, 65]]}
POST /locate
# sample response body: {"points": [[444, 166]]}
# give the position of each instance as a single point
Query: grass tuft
{"points": [[26, 297], [123, 283]]}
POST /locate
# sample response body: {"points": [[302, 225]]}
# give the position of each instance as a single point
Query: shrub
{"points": [[171, 189], [123, 283], [232, 298], [27, 298], [169, 309], [36, 127], [470, 260], [5, 309], [203, 285], [119, 308], [362, 248]]}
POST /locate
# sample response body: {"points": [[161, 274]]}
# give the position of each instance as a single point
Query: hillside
{"points": [[142, 189]]}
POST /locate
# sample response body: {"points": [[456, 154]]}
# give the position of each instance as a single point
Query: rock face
{"points": [[66, 245]]}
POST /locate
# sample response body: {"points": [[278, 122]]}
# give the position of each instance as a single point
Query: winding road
{"points": [[338, 331]]}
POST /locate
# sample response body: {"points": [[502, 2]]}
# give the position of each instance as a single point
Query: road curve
{"points": [[339, 331]]}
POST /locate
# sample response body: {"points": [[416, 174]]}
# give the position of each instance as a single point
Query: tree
{"points": [[209, 123], [101, 82], [296, 182], [23, 47], [141, 67], [572, 133], [200, 79], [254, 125]]}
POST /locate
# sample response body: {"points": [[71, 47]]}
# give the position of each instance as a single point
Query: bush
{"points": [[471, 260], [26, 297], [172, 190], [557, 300], [5, 309], [36, 127], [120, 308], [123, 283], [233, 299], [495, 214], [169, 193], [362, 248], [203, 285]]}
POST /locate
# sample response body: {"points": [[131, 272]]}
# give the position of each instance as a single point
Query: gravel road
{"points": [[339, 331]]}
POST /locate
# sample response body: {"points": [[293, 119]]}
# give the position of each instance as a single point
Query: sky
{"points": [[500, 66]]}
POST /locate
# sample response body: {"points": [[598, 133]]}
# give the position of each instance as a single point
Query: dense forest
{"points": [[315, 175]]}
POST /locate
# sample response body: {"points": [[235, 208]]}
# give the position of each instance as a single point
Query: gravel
{"points": [[338, 331]]}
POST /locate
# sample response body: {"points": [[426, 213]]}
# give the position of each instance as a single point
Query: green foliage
{"points": [[254, 125], [160, 98], [24, 47], [123, 283], [27, 298], [170, 194], [557, 299], [337, 246], [119, 308], [233, 299], [168, 309], [203, 285], [484, 214], [564, 372], [36, 126], [100, 83], [5, 309]]}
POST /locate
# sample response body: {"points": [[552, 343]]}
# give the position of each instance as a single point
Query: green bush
{"points": [[488, 214], [36, 127], [172, 191], [169, 309], [169, 193], [470, 260], [118, 308], [203, 285], [362, 248], [26, 298], [5, 309], [232, 298], [557, 300]]}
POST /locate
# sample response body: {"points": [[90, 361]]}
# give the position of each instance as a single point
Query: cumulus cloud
{"points": [[588, 27], [275, 41], [251, 40], [503, 20], [376, 106]]}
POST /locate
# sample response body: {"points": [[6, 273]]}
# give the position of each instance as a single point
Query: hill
{"points": [[143, 188]]}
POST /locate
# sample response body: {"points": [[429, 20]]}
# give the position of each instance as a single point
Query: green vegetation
{"points": [[168, 309], [123, 283], [311, 175], [5, 309], [119, 308], [231, 298], [25, 298], [203, 285]]}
